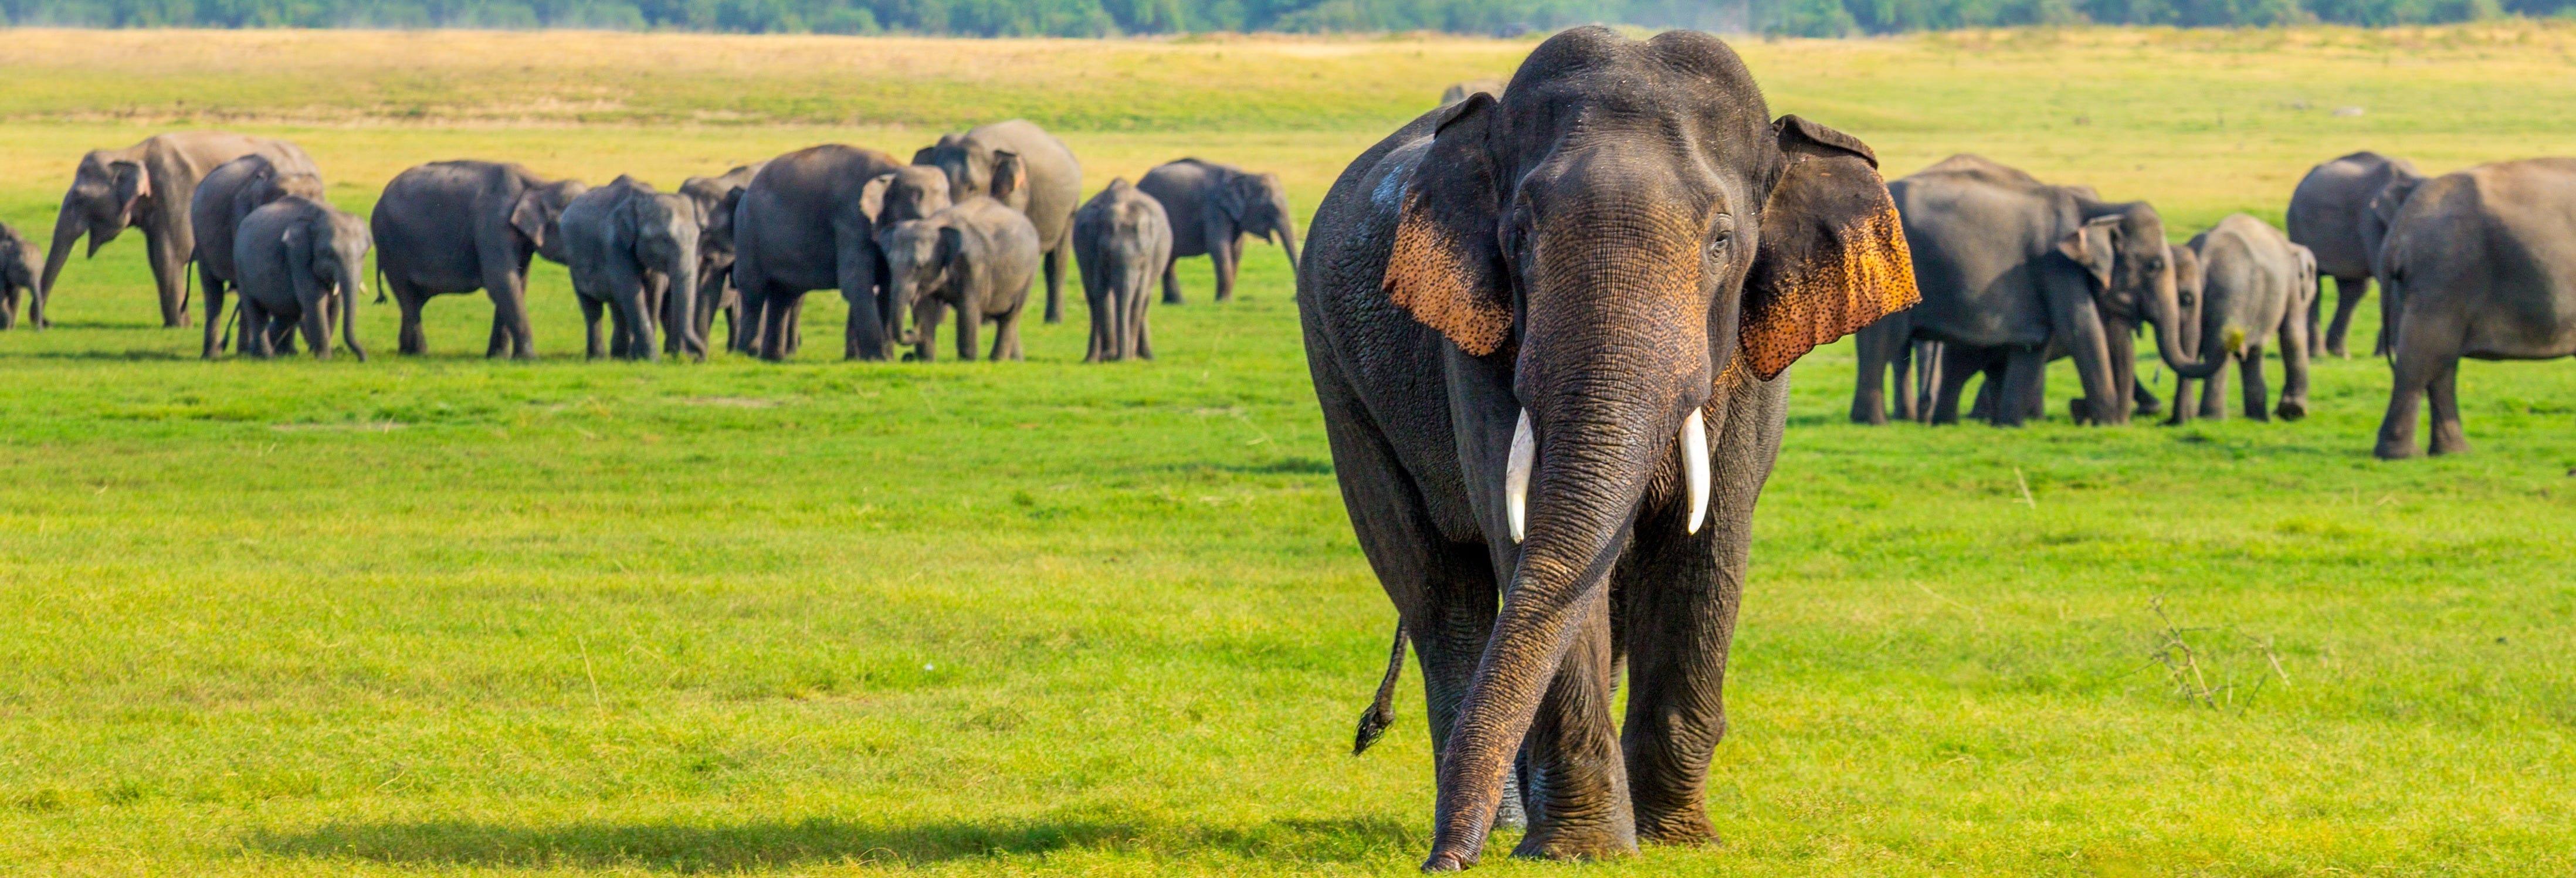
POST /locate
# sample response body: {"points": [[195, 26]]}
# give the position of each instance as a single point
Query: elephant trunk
{"points": [[1288, 241], [350, 289], [679, 313], [2165, 310], [68, 227]]}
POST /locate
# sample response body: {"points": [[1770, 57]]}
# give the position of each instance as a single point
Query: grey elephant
{"points": [[1458, 91], [2014, 271], [2480, 263], [1212, 207], [807, 222], [149, 186], [461, 226], [976, 257], [227, 195], [715, 198], [1123, 240], [2330, 215], [298, 261], [634, 251], [2253, 284], [1548, 336], [18, 269], [1049, 196]]}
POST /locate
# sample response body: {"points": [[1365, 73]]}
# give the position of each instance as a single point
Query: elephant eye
{"points": [[1721, 231]]}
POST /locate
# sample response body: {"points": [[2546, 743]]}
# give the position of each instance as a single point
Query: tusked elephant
{"points": [[1123, 240], [635, 250], [2253, 284], [461, 226], [978, 257], [1050, 194], [2480, 263], [715, 198], [222, 200], [149, 186], [2330, 215], [2014, 271], [1212, 207], [808, 222], [298, 260], [17, 274], [1548, 335]]}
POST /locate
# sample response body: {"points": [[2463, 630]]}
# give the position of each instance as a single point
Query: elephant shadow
{"points": [[679, 848]]}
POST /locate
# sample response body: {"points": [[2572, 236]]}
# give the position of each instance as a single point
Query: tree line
{"points": [[1092, 18]]}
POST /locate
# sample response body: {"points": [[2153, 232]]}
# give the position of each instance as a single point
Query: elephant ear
{"points": [[1833, 256], [2091, 246], [1009, 175], [872, 196], [1446, 267], [528, 215], [1235, 197], [131, 182], [952, 245]]}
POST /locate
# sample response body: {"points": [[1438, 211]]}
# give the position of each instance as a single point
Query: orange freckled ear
{"points": [[1430, 275], [1833, 257]]}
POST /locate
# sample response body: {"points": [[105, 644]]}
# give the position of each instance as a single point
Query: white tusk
{"points": [[1516, 477], [1695, 466]]}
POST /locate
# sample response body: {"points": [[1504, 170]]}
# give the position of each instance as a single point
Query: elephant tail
{"points": [[380, 280], [1381, 712]]}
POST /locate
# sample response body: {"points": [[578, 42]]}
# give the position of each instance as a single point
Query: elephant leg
{"points": [[509, 292], [970, 323], [2294, 372], [1006, 335], [1956, 367], [1139, 330], [2181, 402], [315, 322], [1983, 407], [592, 346], [281, 335], [2257, 393], [2448, 438], [1172, 281], [255, 338], [775, 327], [2213, 395], [1575, 783], [214, 312], [796, 326], [1869, 392], [633, 301], [1927, 378], [2024, 370], [1055, 260], [2143, 397], [2123, 349], [1103, 325], [1901, 378], [864, 336], [1224, 254], [2413, 374], [2316, 326], [925, 320], [169, 274], [2349, 291], [409, 298]]}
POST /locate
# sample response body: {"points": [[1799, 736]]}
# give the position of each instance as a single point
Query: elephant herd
{"points": [[970, 225], [2015, 273]]}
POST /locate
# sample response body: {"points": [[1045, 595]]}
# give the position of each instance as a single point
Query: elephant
{"points": [[1458, 91], [460, 226], [977, 256], [17, 274], [2479, 263], [1212, 207], [635, 250], [2330, 215], [227, 195], [1889, 355], [807, 222], [715, 197], [149, 185], [1122, 239], [2253, 284], [2014, 271], [1052, 191], [299, 259], [1549, 335]]}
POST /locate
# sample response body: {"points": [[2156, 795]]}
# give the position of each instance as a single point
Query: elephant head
{"points": [[327, 252], [1258, 204], [910, 193], [17, 274], [537, 214], [976, 168], [108, 190], [2123, 253], [922, 259], [2382, 210], [2188, 281], [1625, 234], [666, 230]]}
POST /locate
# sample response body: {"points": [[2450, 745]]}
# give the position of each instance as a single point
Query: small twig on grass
{"points": [[2025, 488], [584, 644], [2185, 671]]}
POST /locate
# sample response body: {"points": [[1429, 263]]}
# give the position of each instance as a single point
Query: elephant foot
{"points": [[2080, 411], [2148, 407], [1568, 841], [2443, 444], [2292, 409], [1448, 861], [1678, 828], [2393, 449]]}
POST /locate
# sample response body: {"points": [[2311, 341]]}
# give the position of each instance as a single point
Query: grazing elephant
{"points": [[2330, 215], [1123, 239], [715, 198], [2014, 271], [2479, 263], [1458, 91], [1548, 335], [805, 223], [2253, 284], [149, 186], [976, 256], [1212, 207], [635, 250], [1048, 197], [17, 274], [461, 226], [297, 261], [227, 195]]}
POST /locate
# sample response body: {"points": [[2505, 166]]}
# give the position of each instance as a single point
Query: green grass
{"points": [[447, 616]]}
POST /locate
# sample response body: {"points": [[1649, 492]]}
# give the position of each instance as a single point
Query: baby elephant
{"points": [[17, 274], [1123, 240], [2254, 284], [635, 250], [977, 256], [297, 260]]}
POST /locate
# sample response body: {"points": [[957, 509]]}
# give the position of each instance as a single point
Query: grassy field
{"points": [[447, 616]]}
